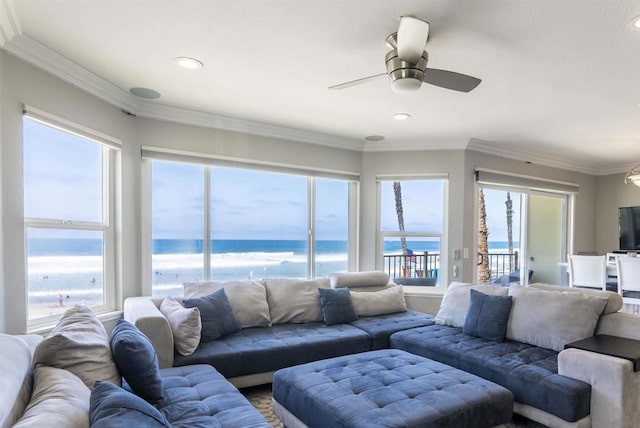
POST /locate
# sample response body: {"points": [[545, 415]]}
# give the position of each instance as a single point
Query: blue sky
{"points": [[63, 175], [63, 181]]}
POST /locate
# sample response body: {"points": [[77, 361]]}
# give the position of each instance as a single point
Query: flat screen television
{"points": [[629, 228]]}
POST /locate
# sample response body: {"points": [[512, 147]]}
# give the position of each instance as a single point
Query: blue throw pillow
{"points": [[487, 316], [336, 304], [216, 315], [137, 361], [111, 406]]}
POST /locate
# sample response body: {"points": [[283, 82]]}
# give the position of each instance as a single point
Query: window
{"points": [[259, 224], [68, 210], [412, 226]]}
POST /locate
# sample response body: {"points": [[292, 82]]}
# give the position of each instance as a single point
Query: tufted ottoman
{"points": [[387, 388]]}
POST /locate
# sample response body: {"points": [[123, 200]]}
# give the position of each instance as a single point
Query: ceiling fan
{"points": [[407, 62]]}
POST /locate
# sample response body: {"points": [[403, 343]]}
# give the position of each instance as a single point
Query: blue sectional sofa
{"points": [[250, 356], [528, 371], [68, 391], [554, 386]]}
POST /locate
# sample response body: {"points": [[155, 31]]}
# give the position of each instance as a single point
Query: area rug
{"points": [[260, 398]]}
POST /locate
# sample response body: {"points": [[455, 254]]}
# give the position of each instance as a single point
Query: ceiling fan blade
{"points": [[356, 82], [450, 80], [412, 38]]}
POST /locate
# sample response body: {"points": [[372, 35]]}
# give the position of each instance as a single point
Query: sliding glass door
{"points": [[546, 235], [522, 235]]}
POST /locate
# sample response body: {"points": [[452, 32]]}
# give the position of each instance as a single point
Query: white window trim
{"points": [[380, 234], [150, 154], [110, 192]]}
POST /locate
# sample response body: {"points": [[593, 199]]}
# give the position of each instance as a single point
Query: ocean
{"points": [[73, 268]]}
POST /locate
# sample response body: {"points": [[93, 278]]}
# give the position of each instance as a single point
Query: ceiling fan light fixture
{"points": [[405, 85], [633, 176]]}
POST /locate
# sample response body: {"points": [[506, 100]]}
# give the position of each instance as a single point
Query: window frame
{"points": [[110, 166], [442, 236], [149, 154]]}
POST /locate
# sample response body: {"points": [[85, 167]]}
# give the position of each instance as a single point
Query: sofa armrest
{"points": [[615, 387], [144, 314]]}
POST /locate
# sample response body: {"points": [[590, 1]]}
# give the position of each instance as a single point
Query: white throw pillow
{"points": [[186, 325], [359, 279], [551, 319], [614, 300], [295, 300], [455, 302], [59, 399], [80, 344], [15, 378], [248, 299], [371, 303]]}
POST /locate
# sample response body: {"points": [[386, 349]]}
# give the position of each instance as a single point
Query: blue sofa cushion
{"points": [[381, 327], [216, 314], [336, 304], [137, 361], [199, 396], [528, 371], [258, 350], [111, 406], [487, 316], [389, 388]]}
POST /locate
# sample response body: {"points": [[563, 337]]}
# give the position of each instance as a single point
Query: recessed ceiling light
{"points": [[402, 116], [374, 138], [189, 63], [146, 93], [636, 21]]}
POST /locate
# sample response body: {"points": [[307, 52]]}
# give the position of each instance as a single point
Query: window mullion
{"points": [[206, 244], [311, 227]]}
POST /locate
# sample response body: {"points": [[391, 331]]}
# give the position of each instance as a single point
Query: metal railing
{"points": [[427, 265], [500, 264], [423, 265]]}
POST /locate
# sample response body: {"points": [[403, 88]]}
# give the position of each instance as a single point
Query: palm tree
{"points": [[397, 192], [509, 204], [484, 274]]}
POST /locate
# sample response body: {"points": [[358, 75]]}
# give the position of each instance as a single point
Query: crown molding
{"points": [[413, 145], [533, 157], [13, 41], [153, 110], [39, 55], [34, 52], [617, 169], [9, 23]]}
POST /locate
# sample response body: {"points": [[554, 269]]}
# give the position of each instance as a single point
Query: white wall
{"points": [[21, 83], [449, 162], [24, 84], [612, 194]]}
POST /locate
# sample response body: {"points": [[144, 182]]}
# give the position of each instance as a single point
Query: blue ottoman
{"points": [[387, 388]]}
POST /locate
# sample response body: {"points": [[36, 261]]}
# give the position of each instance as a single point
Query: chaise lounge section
{"points": [[555, 387]]}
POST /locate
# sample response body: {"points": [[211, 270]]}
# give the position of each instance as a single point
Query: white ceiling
{"points": [[560, 78]]}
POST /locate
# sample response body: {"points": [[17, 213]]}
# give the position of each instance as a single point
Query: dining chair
{"points": [[629, 279], [587, 271]]}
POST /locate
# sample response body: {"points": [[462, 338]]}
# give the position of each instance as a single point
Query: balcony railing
{"points": [[422, 265], [500, 264], [427, 265]]}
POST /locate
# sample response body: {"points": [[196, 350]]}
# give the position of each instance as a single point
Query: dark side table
{"points": [[614, 346]]}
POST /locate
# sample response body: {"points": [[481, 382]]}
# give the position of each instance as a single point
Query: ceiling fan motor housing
{"points": [[405, 76]]}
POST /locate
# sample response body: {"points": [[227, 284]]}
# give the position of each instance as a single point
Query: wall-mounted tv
{"points": [[629, 228]]}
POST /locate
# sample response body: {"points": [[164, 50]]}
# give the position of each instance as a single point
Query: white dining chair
{"points": [[587, 271], [629, 279]]}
